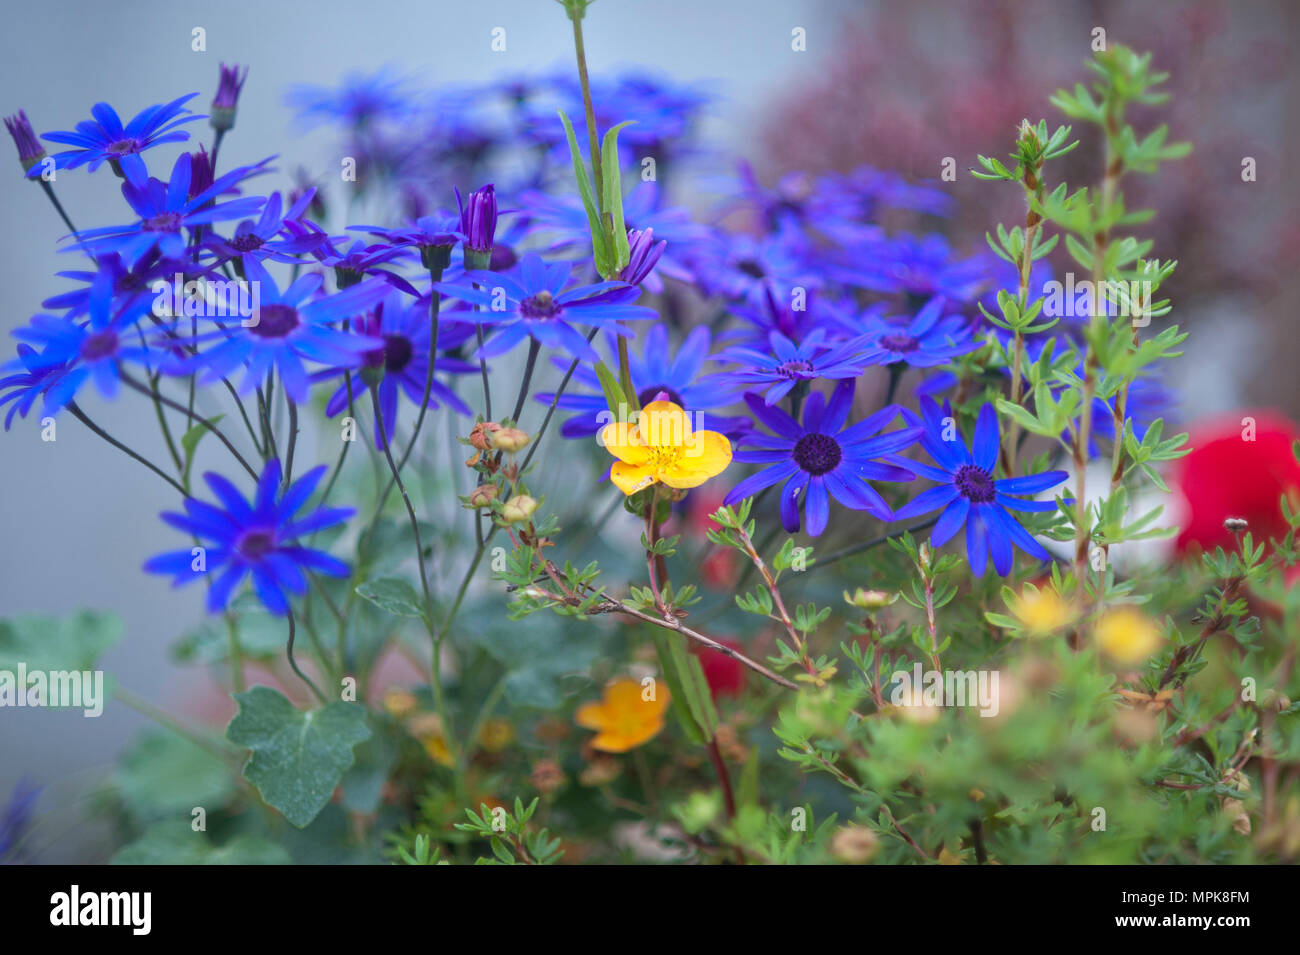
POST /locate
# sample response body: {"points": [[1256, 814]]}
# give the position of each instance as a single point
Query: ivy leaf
{"points": [[74, 642], [164, 774], [393, 595], [174, 843], [298, 757]]}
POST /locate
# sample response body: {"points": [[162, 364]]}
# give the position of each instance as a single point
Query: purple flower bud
{"points": [[30, 151], [223, 104], [200, 171], [478, 218], [643, 255]]}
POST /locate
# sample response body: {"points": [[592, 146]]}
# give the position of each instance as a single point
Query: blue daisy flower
{"points": [[528, 302], [165, 208], [788, 364], [823, 458], [654, 371], [288, 330], [403, 327], [359, 99], [105, 139], [34, 377], [85, 350], [971, 496], [256, 538], [129, 280], [927, 340], [262, 238]]}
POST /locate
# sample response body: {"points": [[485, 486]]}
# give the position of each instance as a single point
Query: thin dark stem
{"points": [[434, 308], [58, 207], [410, 509], [293, 440], [724, 778], [534, 346], [482, 367], [84, 419], [177, 406], [550, 412], [293, 664]]}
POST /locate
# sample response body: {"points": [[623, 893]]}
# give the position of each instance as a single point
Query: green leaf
{"points": [[174, 843], [614, 396], [599, 249], [393, 595], [190, 442], [298, 756], [691, 699], [74, 642], [164, 774], [611, 191]]}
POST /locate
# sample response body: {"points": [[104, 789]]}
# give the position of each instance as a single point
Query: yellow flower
{"points": [[623, 719], [1041, 611], [496, 735], [1128, 636], [659, 447]]}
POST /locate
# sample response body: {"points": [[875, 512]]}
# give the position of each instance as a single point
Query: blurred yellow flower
{"points": [[1041, 611], [399, 702], [661, 448], [496, 735], [623, 719], [1128, 636]]}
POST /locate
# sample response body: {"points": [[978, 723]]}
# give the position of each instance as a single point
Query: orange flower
{"points": [[623, 718]]}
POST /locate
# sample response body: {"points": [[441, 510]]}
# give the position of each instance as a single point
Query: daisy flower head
{"points": [[929, 339], [257, 538], [90, 349], [105, 139], [788, 364], [529, 301], [819, 458], [166, 208], [970, 496], [402, 325], [286, 329]]}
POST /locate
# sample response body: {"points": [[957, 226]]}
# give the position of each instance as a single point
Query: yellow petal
{"points": [[664, 425], [630, 478], [624, 442], [591, 715], [707, 455], [621, 742]]}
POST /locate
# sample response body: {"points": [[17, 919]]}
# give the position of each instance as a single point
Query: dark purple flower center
{"points": [[899, 342], [751, 268], [163, 222], [98, 345], [817, 453], [122, 147], [275, 321], [541, 305], [255, 544], [647, 395], [246, 242], [794, 369], [394, 356], [975, 484]]}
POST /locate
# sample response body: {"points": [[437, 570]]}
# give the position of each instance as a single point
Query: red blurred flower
{"points": [[1241, 467], [725, 675]]}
